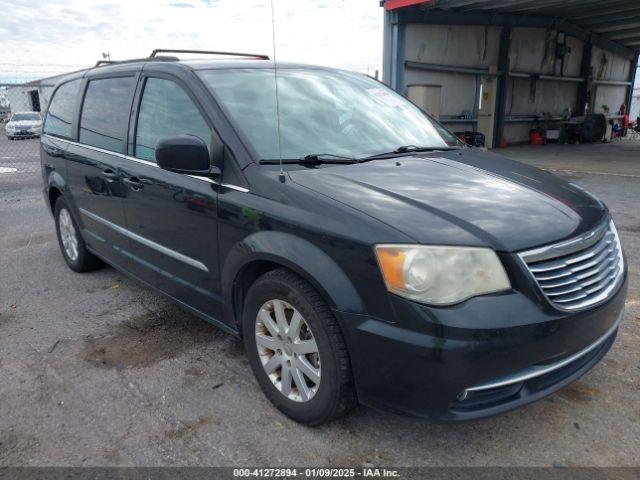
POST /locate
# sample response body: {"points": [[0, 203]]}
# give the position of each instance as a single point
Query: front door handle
{"points": [[109, 174], [133, 183]]}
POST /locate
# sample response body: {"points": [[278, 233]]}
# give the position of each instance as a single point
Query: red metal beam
{"points": [[395, 4]]}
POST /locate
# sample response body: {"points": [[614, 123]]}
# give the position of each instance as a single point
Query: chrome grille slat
{"points": [[580, 276], [584, 292], [567, 261], [599, 279], [571, 299], [570, 270], [585, 277], [601, 285], [604, 270], [575, 288], [594, 251], [553, 277], [594, 261], [558, 284], [594, 271]]}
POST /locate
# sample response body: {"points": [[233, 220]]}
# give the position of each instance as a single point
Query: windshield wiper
{"points": [[312, 159], [407, 149]]}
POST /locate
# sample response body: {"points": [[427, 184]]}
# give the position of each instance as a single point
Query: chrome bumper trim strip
{"points": [[537, 371]]}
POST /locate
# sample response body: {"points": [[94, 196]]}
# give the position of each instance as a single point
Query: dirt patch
{"points": [[193, 372], [26, 240], [147, 339], [8, 315], [187, 429], [16, 449], [235, 348], [579, 392], [630, 229]]}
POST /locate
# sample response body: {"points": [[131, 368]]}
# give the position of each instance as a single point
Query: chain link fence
{"points": [[21, 110]]}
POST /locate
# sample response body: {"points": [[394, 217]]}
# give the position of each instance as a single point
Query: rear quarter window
{"points": [[61, 109], [105, 112]]}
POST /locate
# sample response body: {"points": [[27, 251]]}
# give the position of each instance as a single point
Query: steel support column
{"points": [[387, 47], [632, 79], [393, 53], [503, 85], [398, 56], [585, 73]]}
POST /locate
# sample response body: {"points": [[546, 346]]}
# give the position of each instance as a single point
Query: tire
{"points": [[333, 395], [71, 243]]}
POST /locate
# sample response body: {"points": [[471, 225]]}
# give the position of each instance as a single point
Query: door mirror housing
{"points": [[186, 154]]}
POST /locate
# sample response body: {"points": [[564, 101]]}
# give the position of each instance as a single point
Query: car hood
{"points": [[465, 197]]}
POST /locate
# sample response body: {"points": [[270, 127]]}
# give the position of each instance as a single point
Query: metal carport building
{"points": [[498, 66]]}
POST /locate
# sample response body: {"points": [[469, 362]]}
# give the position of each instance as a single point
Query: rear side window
{"points": [[166, 110], [105, 112], [60, 114]]}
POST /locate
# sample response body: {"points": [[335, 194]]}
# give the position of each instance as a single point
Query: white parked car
{"points": [[24, 124]]}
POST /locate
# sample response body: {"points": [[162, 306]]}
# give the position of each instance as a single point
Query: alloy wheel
{"points": [[288, 350], [68, 234]]}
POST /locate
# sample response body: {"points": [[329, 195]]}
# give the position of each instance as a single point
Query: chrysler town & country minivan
{"points": [[362, 253]]}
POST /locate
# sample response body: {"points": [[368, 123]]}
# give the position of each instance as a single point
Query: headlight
{"points": [[440, 275]]}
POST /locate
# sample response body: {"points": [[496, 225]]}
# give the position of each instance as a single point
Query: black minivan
{"points": [[362, 253]]}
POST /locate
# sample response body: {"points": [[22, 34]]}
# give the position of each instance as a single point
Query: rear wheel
{"points": [[296, 349], [72, 245]]}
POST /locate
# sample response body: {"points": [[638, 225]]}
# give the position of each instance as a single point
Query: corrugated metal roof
{"points": [[617, 20]]}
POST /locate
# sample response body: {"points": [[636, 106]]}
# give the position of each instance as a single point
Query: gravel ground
{"points": [[97, 370]]}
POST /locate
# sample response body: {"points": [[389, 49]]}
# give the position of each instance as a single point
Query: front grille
{"points": [[581, 272]]}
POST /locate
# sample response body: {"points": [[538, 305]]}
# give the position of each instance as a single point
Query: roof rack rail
{"points": [[160, 58], [210, 52], [154, 57]]}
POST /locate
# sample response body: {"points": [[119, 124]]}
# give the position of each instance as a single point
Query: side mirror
{"points": [[186, 154]]}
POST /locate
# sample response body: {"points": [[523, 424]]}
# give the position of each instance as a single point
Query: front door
{"points": [[173, 216], [94, 165]]}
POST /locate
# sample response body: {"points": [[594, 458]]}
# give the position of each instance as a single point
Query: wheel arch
{"points": [[267, 250], [55, 188], [53, 195]]}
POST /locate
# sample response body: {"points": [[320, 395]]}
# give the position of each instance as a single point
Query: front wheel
{"points": [[71, 243], [296, 349]]}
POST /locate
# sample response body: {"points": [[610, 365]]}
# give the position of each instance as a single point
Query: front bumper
{"points": [[483, 357]]}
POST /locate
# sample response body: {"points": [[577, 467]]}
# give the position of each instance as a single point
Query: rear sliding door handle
{"points": [[133, 183]]}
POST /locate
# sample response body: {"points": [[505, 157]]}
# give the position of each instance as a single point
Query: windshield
{"points": [[321, 111], [21, 117]]}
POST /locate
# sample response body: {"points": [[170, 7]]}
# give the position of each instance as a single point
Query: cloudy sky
{"points": [[46, 38]]}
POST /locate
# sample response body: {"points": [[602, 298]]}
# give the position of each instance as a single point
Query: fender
{"points": [[55, 180], [300, 256]]}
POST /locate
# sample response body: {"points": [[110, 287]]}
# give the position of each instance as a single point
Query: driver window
{"points": [[166, 110]]}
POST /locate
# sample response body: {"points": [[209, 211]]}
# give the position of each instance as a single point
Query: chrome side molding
{"points": [[145, 241]]}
